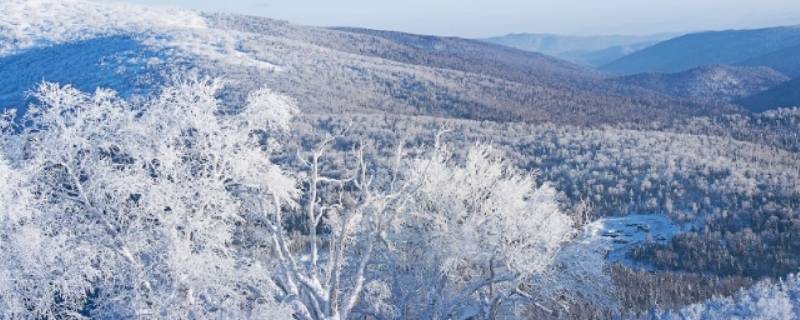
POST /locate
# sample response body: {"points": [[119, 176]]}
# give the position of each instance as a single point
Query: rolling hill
{"points": [[475, 56], [705, 48], [783, 95], [339, 70], [448, 77], [709, 83]]}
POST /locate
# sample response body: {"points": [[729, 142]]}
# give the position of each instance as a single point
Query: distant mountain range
{"points": [[585, 50], [776, 48], [751, 68], [768, 46]]}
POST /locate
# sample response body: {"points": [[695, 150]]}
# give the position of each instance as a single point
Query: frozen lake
{"points": [[619, 235]]}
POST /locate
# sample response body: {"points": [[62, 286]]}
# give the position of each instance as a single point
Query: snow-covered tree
{"points": [[13, 196], [425, 236], [136, 205], [331, 283], [43, 273], [479, 232]]}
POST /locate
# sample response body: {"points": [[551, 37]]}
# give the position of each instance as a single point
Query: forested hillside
{"points": [[373, 71], [786, 94], [710, 84]]}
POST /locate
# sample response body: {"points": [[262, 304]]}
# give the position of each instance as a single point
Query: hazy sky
{"points": [[480, 18]]}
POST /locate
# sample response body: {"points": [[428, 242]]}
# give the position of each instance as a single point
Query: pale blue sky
{"points": [[480, 18]]}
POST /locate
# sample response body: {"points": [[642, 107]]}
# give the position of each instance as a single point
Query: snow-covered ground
{"points": [[619, 235]]}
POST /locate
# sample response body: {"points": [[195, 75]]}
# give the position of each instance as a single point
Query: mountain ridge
{"points": [[786, 60], [705, 48], [584, 50]]}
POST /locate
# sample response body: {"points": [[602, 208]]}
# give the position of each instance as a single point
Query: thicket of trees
{"points": [[723, 188], [775, 128], [778, 299], [171, 207]]}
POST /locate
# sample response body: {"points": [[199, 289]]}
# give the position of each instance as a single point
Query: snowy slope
{"points": [[31, 23], [26, 24], [119, 63], [88, 44]]}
